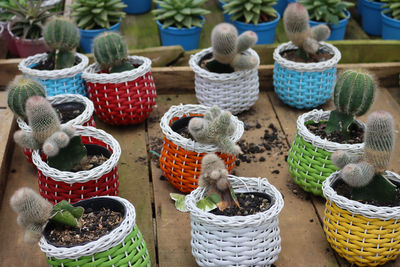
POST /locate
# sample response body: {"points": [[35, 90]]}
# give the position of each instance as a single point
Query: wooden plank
{"points": [[8, 125], [3, 99]]}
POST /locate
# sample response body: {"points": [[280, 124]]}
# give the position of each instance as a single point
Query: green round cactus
{"points": [[19, 90], [62, 34]]}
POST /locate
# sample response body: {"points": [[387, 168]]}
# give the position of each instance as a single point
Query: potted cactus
{"points": [[180, 22], [333, 13], [257, 16], [362, 208], [222, 237], [60, 70], [226, 74], [217, 132], [95, 17], [137, 6], [305, 68], [110, 241], [121, 86], [320, 133], [390, 17], [69, 169]]}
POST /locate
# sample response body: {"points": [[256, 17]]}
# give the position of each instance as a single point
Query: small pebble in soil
{"points": [[311, 220], [275, 172]]}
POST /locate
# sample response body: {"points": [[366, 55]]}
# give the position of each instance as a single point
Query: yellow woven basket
{"points": [[364, 235]]}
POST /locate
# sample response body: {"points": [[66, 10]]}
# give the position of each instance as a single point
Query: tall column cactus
{"points": [[62, 37], [353, 95], [111, 53], [229, 49], [365, 174]]}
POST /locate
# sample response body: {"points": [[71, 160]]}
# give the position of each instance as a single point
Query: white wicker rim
{"points": [[318, 115], [366, 210], [90, 74], [82, 176], [23, 66], [112, 239], [188, 144], [240, 185], [66, 98], [194, 64], [306, 67]]}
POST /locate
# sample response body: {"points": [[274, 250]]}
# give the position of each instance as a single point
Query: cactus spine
{"points": [[62, 37], [111, 53], [19, 90]]}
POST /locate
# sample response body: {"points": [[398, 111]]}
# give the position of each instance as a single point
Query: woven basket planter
{"points": [[123, 246], [56, 82], [304, 85], [55, 185], [310, 156], [363, 234], [181, 157], [85, 118], [122, 98], [252, 240], [235, 92]]}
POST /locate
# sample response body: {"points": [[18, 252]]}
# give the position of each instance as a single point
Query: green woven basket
{"points": [[131, 252]]}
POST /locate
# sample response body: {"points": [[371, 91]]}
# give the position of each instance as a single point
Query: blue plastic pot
{"points": [[265, 31], [359, 7], [371, 17], [337, 31], [137, 6], [280, 6], [390, 28], [227, 18], [187, 38], [87, 36]]}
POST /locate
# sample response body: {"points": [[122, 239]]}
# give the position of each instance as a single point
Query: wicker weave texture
{"points": [[309, 157], [180, 158], [235, 92], [122, 98], [252, 240], [56, 185], [363, 234], [304, 85], [57, 82]]}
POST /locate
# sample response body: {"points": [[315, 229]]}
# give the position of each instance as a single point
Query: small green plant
{"points": [[62, 37], [297, 29], [353, 95], [97, 14], [365, 174], [111, 53], [34, 211], [229, 49], [180, 13], [392, 7], [329, 11], [215, 128], [254, 11]]}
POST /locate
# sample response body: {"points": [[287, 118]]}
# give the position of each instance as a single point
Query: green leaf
{"points": [[69, 156], [207, 203], [379, 189], [179, 201]]}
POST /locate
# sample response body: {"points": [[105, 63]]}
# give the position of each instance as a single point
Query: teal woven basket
{"points": [[57, 82], [304, 85]]}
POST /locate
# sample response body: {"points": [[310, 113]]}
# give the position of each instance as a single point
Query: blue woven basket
{"points": [[304, 85], [57, 82]]}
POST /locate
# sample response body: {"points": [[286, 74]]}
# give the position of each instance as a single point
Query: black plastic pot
{"points": [[96, 150], [180, 124], [66, 110]]}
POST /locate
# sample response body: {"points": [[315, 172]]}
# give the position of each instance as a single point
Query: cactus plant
{"points": [[353, 95], [34, 211], [297, 29], [50, 136], [62, 37], [111, 53], [19, 90], [392, 7], [215, 128], [366, 176], [229, 48], [329, 11], [251, 11]]}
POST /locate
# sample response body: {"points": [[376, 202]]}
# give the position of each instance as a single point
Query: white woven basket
{"points": [[252, 240], [114, 238], [189, 144], [91, 73], [306, 67], [82, 176], [23, 66], [236, 92], [84, 117]]}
